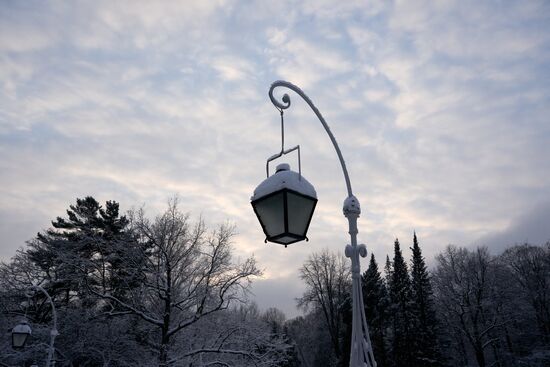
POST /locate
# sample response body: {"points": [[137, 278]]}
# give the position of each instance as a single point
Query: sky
{"points": [[441, 110]]}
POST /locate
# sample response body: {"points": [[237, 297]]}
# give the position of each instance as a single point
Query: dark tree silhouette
{"points": [[402, 316], [376, 310], [425, 328]]}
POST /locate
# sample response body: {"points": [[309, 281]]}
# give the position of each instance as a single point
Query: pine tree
{"points": [[376, 310], [92, 247], [401, 311], [423, 308]]}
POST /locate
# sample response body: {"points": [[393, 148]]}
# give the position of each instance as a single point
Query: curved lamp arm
{"points": [[54, 313], [286, 104]]}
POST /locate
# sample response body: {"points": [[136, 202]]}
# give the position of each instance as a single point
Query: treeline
{"points": [[166, 291], [472, 309]]}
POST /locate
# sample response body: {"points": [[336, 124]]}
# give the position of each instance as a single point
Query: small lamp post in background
{"points": [[21, 332], [284, 204]]}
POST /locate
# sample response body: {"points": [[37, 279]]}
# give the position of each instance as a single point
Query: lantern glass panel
{"points": [[271, 213], [18, 339], [300, 210]]}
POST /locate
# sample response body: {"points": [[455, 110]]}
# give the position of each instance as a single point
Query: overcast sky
{"points": [[441, 109]]}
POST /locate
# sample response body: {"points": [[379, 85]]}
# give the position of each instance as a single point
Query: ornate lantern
{"points": [[284, 204]]}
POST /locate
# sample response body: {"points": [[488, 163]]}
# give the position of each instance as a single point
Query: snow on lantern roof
{"points": [[284, 178], [22, 328]]}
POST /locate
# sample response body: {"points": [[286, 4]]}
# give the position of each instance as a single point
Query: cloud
{"points": [[528, 227], [306, 62]]}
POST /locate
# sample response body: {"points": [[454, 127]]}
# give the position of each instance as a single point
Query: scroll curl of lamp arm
{"points": [[361, 354]]}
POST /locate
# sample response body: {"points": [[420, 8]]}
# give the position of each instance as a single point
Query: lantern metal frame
{"points": [[286, 233]]}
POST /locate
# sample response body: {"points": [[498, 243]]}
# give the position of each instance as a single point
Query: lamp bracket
{"points": [[283, 150], [280, 154]]}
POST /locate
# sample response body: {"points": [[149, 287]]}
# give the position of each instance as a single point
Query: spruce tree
{"points": [[388, 271], [376, 310], [423, 308], [401, 311]]}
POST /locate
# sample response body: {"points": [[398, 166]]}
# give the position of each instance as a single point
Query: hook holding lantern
{"points": [[283, 151]]}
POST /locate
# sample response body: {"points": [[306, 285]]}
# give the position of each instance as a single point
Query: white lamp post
{"points": [[21, 332], [284, 205]]}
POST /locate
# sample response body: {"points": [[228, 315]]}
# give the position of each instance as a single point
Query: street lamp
{"points": [[21, 332], [286, 220], [284, 204]]}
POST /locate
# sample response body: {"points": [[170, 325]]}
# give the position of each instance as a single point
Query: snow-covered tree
{"points": [[275, 318], [236, 337], [188, 275], [134, 292], [84, 250], [471, 298], [312, 340], [526, 332], [327, 279], [530, 267]]}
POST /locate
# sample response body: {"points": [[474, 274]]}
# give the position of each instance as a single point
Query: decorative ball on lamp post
{"points": [[19, 334], [284, 204]]}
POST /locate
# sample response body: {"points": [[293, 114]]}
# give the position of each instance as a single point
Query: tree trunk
{"points": [[463, 352], [163, 357], [167, 298], [480, 356]]}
